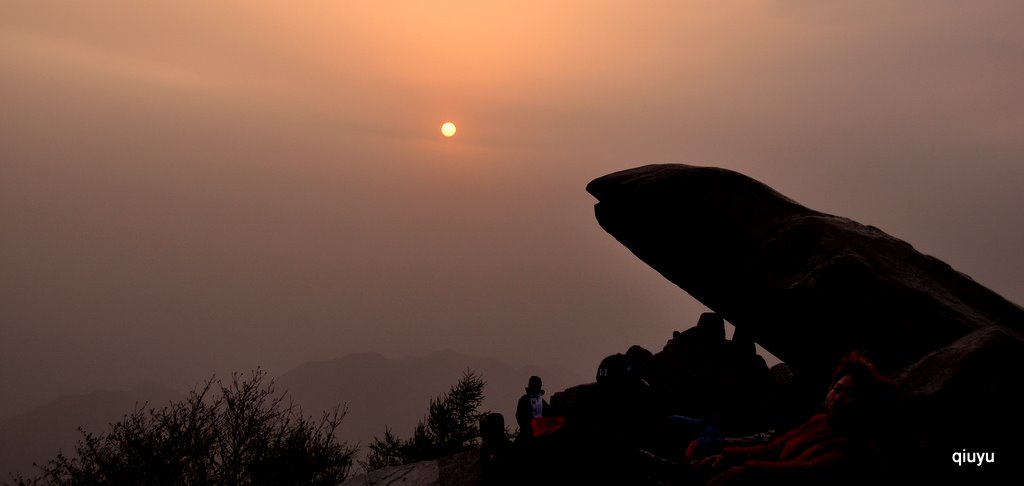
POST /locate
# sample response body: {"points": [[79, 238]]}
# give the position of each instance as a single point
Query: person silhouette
{"points": [[531, 405]]}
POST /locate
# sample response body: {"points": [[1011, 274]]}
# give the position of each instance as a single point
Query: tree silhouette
{"points": [[230, 434], [451, 426]]}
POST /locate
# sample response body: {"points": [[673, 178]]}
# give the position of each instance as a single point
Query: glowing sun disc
{"points": [[448, 129]]}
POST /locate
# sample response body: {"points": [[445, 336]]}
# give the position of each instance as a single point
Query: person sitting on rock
{"points": [[836, 446], [530, 406]]}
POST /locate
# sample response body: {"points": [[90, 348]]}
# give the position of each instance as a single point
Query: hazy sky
{"points": [[189, 187]]}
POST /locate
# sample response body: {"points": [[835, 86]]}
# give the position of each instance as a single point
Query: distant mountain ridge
{"points": [[39, 434], [379, 391]]}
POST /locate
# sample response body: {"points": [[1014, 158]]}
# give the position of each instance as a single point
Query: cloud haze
{"points": [[192, 187]]}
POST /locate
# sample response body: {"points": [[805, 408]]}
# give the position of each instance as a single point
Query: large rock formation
{"points": [[807, 286], [810, 286]]}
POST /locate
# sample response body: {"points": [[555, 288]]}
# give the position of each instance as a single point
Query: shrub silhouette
{"points": [[451, 426], [230, 434]]}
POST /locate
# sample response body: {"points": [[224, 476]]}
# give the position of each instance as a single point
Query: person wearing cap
{"points": [[530, 406]]}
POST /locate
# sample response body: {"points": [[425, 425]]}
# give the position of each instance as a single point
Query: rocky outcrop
{"points": [[810, 286], [806, 285], [462, 469]]}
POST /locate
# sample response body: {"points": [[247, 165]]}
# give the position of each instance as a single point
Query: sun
{"points": [[448, 129]]}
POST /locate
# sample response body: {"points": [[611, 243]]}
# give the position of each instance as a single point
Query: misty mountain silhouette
{"points": [[379, 391], [39, 434]]}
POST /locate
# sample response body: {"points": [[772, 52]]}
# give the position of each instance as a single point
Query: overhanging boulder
{"points": [[808, 286]]}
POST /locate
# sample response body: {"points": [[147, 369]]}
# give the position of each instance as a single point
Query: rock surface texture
{"points": [[462, 469]]}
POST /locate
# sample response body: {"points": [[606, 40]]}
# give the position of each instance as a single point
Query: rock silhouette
{"points": [[810, 286], [806, 285]]}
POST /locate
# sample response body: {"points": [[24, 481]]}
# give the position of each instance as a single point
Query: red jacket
{"points": [[812, 452]]}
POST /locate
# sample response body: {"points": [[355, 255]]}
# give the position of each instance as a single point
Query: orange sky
{"points": [[192, 187]]}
